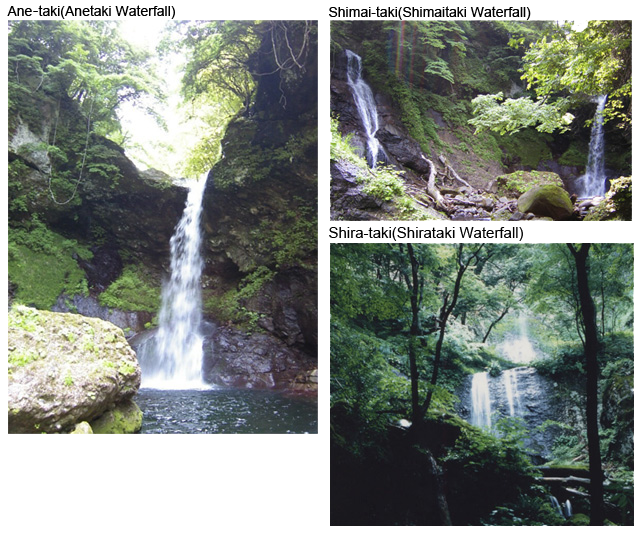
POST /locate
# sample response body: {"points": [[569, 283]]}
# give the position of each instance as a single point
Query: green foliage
{"points": [[384, 184], [509, 116], [296, 238], [575, 155], [564, 69], [519, 182], [340, 147], [42, 264], [591, 62], [87, 62], [484, 471], [435, 47], [231, 306], [132, 291], [531, 509]]}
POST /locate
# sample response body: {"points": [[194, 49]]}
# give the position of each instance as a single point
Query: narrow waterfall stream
{"points": [[593, 182], [481, 401], [366, 104], [173, 358]]}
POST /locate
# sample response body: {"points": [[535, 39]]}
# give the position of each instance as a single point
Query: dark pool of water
{"points": [[226, 411]]}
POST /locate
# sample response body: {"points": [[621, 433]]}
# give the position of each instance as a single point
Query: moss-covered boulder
{"points": [[125, 418], [516, 183], [547, 200], [64, 369], [617, 202]]}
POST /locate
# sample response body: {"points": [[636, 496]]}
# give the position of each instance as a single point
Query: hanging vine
{"points": [[82, 165]]}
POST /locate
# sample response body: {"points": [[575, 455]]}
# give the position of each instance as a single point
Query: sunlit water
{"points": [[226, 411], [366, 104], [172, 359], [481, 401], [593, 182]]}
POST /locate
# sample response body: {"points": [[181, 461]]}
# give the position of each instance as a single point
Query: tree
{"points": [[565, 69], [449, 301], [225, 61], [87, 62], [588, 312]]}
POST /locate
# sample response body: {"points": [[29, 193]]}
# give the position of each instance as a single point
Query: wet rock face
{"points": [[132, 321], [348, 200], [237, 359]]}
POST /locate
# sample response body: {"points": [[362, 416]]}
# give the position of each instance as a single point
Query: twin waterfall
{"points": [[593, 182], [366, 104], [504, 389], [481, 397], [173, 358]]}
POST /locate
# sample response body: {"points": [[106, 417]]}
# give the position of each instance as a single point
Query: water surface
{"points": [[226, 411]]}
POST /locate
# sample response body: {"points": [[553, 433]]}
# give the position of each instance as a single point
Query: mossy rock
{"points": [[516, 183], [65, 368], [617, 203], [82, 428], [548, 200], [126, 418]]}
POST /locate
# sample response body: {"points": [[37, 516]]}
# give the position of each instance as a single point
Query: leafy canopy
{"points": [[564, 69]]}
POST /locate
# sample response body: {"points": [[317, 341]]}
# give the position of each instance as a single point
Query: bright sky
{"points": [[148, 145]]}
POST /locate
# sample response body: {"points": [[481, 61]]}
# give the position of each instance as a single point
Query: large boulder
{"points": [[548, 200], [617, 203], [64, 369], [516, 183]]}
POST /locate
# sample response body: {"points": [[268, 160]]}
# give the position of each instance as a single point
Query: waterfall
{"points": [[366, 104], [593, 182], [173, 360], [480, 401], [510, 380]]}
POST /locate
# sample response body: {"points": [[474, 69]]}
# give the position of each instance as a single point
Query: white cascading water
{"points": [[480, 401], [593, 182], [176, 353], [510, 380], [366, 104]]}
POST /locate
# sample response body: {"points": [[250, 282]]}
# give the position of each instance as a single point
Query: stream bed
{"points": [[226, 411]]}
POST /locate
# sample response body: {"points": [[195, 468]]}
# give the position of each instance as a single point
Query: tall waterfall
{"points": [[593, 182], [173, 360], [366, 104], [480, 401], [510, 379]]}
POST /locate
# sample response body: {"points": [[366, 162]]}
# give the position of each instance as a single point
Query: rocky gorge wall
{"points": [[259, 222], [432, 124]]}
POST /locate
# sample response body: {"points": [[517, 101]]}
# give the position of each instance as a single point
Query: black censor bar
{"points": [[426, 234], [419, 12], [78, 12]]}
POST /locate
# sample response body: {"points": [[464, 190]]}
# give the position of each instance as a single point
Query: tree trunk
{"points": [[591, 356], [432, 190], [445, 312], [414, 332], [495, 322]]}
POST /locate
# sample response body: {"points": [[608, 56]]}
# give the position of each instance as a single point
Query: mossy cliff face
{"points": [[260, 210], [65, 369], [107, 200]]}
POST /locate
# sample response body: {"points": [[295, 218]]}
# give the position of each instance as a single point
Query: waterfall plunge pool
{"points": [[226, 411]]}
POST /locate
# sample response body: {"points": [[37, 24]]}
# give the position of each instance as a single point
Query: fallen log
{"points": [[431, 182], [566, 480]]}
